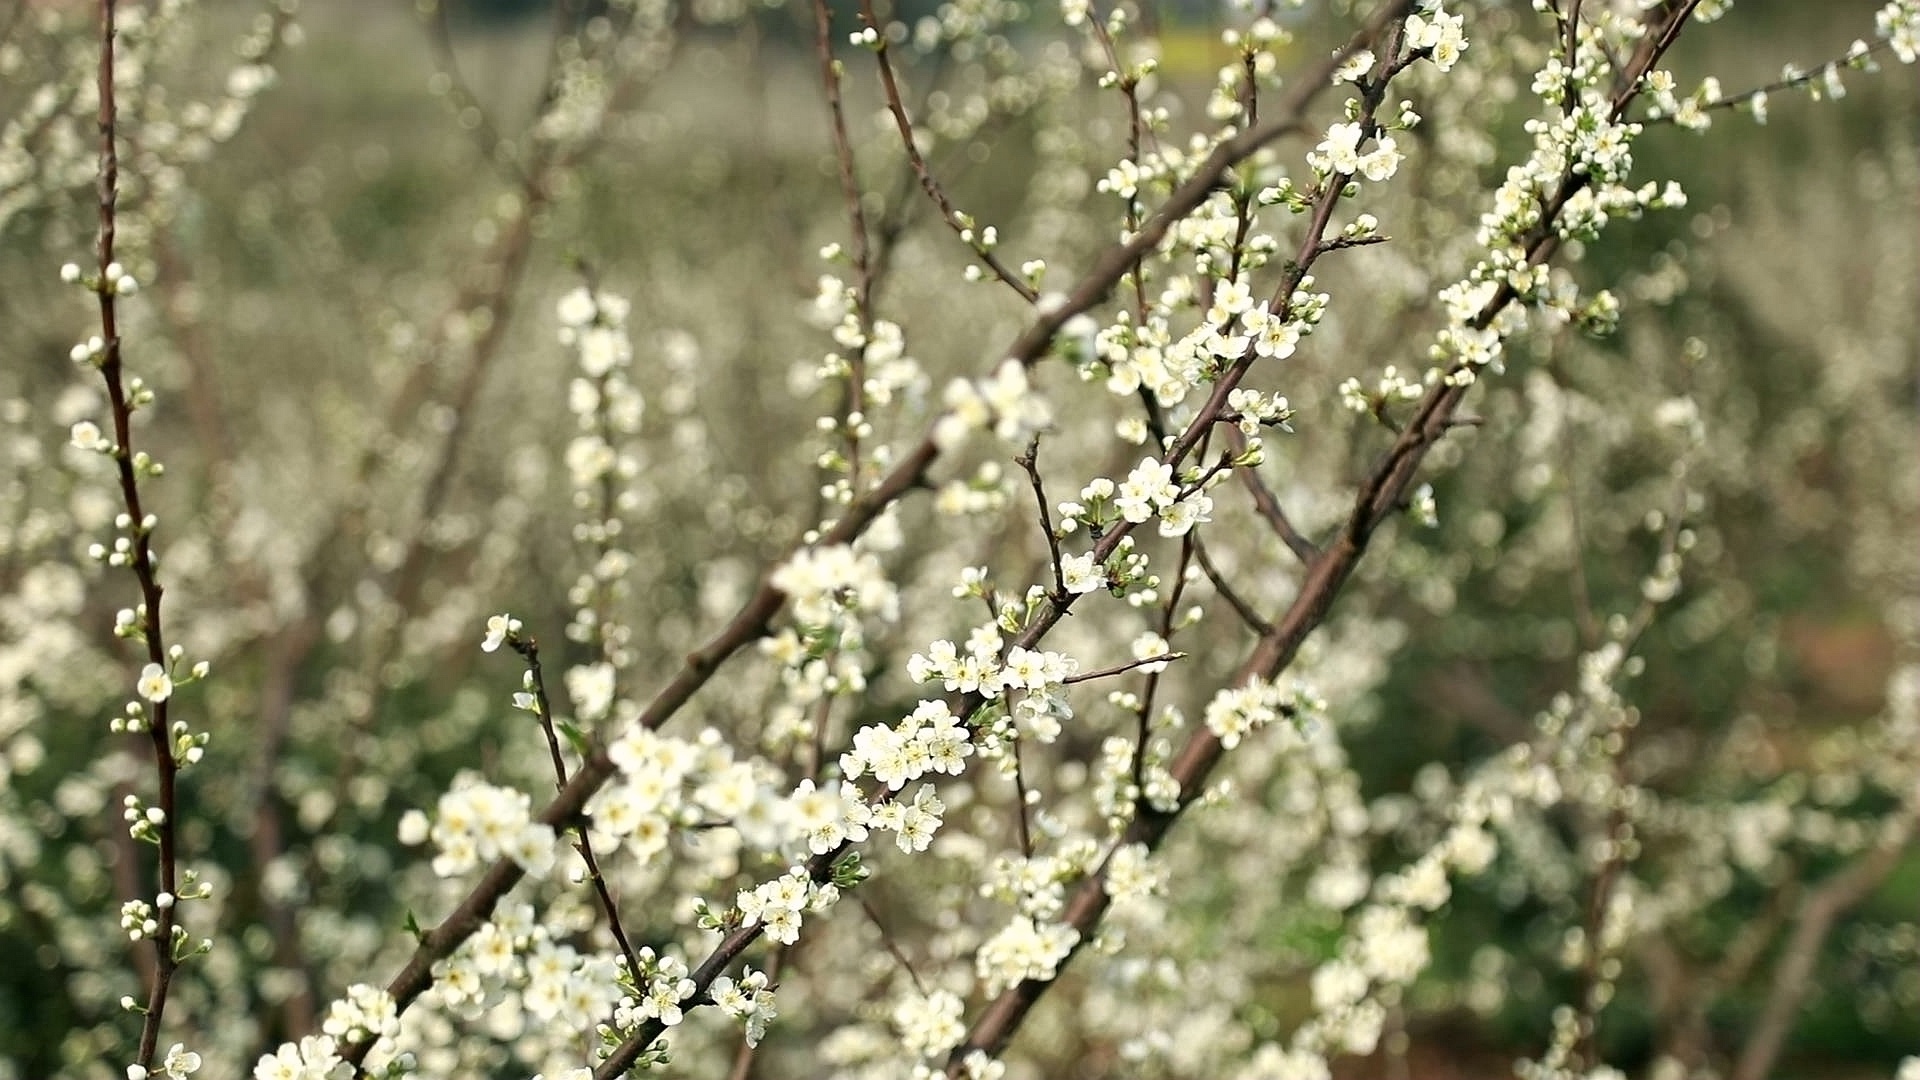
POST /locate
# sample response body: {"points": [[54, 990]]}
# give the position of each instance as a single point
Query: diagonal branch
{"points": [[1793, 976], [754, 618]]}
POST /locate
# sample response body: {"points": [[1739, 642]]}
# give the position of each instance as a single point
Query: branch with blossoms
{"points": [[755, 617], [502, 628], [464, 344], [1150, 490], [1029, 767], [1377, 498], [1474, 338], [174, 744], [1898, 24], [981, 240]]}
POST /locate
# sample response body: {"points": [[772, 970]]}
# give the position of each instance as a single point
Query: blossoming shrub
{"points": [[987, 558]]}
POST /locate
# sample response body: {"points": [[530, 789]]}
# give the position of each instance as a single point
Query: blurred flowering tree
{"points": [[1216, 580]]}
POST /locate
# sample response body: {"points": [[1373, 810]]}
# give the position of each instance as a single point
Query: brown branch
{"points": [[493, 146], [1121, 669], [891, 86], [1378, 497], [1234, 600], [141, 556], [1268, 506], [755, 617], [752, 622], [853, 399], [1029, 461], [1792, 976], [529, 649]]}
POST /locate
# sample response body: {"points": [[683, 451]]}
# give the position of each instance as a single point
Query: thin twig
{"points": [[892, 947], [1121, 669], [1794, 82], [1137, 135], [852, 401], [755, 615], [1024, 830], [1029, 460], [529, 649], [1378, 497], [166, 769], [1268, 506], [1570, 46], [1234, 600], [1792, 977], [891, 86]]}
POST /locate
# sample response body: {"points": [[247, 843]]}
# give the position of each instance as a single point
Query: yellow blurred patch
{"points": [[1187, 51]]}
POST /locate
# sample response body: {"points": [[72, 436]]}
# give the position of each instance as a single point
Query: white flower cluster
{"points": [[606, 406], [1275, 1062], [1584, 141], [980, 669], [47, 144], [828, 584], [1252, 410], [178, 1064], [748, 1000], [666, 782], [367, 1014], [929, 1024], [1149, 491], [890, 372], [913, 823], [1004, 401], [1115, 791], [592, 686], [552, 985], [1036, 885], [314, 1057], [477, 822], [929, 739], [1440, 35], [829, 815], [1899, 25], [1024, 949], [137, 919], [1339, 153], [1238, 711], [575, 990], [582, 91], [603, 461], [780, 903], [1132, 875], [1150, 356], [665, 987], [1392, 386]]}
